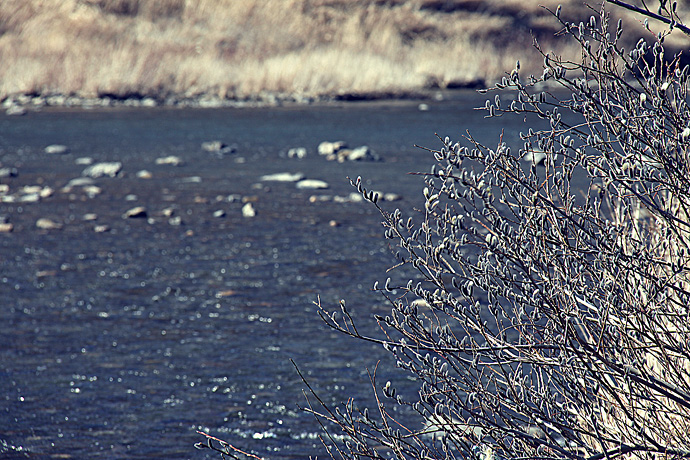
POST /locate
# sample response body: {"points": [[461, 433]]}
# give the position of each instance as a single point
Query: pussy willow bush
{"points": [[548, 320]]}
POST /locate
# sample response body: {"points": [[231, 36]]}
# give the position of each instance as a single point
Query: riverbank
{"points": [[215, 53]]}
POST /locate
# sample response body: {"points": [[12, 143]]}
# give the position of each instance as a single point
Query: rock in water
{"points": [[47, 224], [213, 146], [248, 210], [311, 184], [97, 170], [170, 160], [56, 149], [137, 212], [297, 152], [330, 148], [282, 177]]}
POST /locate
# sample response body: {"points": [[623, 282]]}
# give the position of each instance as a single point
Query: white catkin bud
{"points": [[643, 98], [685, 134]]}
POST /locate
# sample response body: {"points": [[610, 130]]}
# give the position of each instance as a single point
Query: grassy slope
{"points": [[243, 48]]}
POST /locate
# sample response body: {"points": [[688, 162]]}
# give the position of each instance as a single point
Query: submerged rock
{"points": [[83, 161], [311, 184], [56, 149], [282, 177]]}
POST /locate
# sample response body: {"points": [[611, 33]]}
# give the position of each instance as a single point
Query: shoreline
{"points": [[23, 103]]}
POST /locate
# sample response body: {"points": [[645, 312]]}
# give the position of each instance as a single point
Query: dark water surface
{"points": [[122, 344]]}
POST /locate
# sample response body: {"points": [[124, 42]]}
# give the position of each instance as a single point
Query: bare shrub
{"points": [[549, 317]]}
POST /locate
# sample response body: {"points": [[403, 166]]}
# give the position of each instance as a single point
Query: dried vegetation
{"points": [[243, 49]]}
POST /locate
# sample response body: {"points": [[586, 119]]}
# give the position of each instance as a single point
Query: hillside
{"points": [[172, 50]]}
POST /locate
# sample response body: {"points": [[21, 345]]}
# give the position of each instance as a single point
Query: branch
{"points": [[650, 14]]}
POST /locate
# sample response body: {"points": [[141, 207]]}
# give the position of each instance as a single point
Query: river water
{"points": [[123, 343]]}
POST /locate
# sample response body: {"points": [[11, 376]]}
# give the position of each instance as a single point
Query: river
{"points": [[122, 343]]}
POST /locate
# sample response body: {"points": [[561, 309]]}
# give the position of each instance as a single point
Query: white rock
{"points": [[56, 149], [136, 212], [97, 170], [15, 110], [8, 172], [170, 160], [213, 146], [329, 148], [83, 161], [144, 174], [46, 191], [361, 153], [311, 184], [29, 198], [47, 224], [282, 177], [79, 182], [297, 152], [248, 210], [92, 190]]}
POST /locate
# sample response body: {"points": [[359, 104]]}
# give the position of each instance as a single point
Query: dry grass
{"points": [[240, 49]]}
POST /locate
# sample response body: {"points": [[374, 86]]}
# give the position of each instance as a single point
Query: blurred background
{"points": [[302, 50]]}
